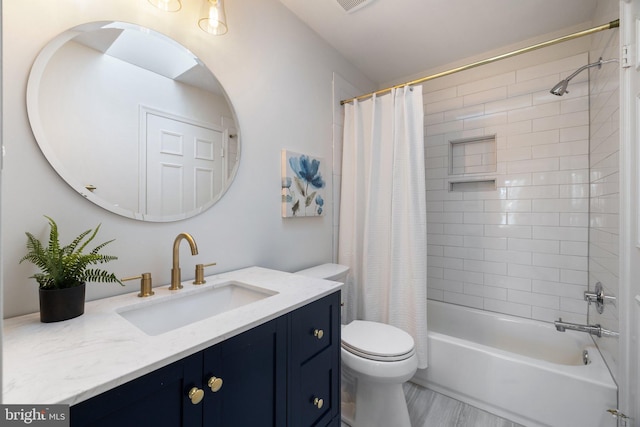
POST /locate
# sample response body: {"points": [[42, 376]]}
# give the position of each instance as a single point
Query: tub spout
{"points": [[596, 329]]}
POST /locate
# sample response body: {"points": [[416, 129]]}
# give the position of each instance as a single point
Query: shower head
{"points": [[561, 88]]}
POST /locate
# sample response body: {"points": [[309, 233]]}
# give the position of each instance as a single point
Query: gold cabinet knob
{"points": [[196, 394], [318, 403], [215, 384], [318, 333]]}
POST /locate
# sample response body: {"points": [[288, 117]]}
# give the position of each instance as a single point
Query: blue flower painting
{"points": [[302, 185]]}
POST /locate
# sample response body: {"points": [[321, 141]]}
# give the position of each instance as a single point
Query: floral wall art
{"points": [[302, 185]]}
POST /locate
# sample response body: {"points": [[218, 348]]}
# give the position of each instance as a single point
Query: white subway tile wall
{"points": [[604, 181], [523, 248]]}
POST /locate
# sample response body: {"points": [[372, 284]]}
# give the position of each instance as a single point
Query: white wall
{"points": [[278, 75], [522, 248]]}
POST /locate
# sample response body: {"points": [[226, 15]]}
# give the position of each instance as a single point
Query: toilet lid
{"points": [[377, 341]]}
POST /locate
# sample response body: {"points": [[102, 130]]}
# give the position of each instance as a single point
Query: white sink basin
{"points": [[178, 310]]}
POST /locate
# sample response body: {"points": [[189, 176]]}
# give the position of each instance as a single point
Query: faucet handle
{"points": [[200, 273], [599, 297], [145, 284]]}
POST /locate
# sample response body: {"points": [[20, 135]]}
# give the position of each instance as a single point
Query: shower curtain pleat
{"points": [[383, 235]]}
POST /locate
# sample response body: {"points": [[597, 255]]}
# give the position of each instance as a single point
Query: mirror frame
{"points": [[45, 145]]}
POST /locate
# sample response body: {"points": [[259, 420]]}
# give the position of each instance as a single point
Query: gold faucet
{"points": [[175, 270]]}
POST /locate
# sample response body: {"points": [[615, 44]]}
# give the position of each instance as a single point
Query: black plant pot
{"points": [[61, 304]]}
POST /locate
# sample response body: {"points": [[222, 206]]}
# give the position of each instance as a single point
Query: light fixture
{"points": [[214, 20], [167, 5]]}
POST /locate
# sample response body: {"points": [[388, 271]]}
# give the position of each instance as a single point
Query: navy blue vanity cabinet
{"points": [[246, 378], [160, 398], [314, 376], [283, 373], [239, 382]]}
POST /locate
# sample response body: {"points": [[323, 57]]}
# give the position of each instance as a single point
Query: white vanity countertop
{"points": [[71, 361]]}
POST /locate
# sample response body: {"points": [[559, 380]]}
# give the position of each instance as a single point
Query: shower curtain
{"points": [[383, 224]]}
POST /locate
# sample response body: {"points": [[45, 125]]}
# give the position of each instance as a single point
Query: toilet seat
{"points": [[377, 341]]}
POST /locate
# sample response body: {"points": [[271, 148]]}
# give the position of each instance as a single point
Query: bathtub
{"points": [[520, 369]]}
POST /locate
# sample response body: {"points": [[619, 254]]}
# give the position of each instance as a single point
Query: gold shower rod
{"points": [[610, 25]]}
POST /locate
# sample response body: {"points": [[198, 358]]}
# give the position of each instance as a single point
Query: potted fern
{"points": [[64, 271]]}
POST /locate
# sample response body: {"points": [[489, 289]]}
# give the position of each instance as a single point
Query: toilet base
{"points": [[380, 405]]}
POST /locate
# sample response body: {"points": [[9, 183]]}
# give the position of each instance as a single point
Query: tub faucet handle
{"points": [[598, 297]]}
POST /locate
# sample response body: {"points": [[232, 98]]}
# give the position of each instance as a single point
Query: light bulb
{"points": [[214, 20]]}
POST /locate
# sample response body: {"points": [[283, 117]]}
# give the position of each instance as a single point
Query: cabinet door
{"points": [[252, 367], [159, 398]]}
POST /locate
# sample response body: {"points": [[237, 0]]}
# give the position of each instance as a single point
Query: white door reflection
{"points": [[184, 164]]}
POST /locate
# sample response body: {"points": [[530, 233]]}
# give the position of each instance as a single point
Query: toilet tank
{"points": [[335, 272]]}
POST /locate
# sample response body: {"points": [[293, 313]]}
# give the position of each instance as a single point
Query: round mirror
{"points": [[133, 121]]}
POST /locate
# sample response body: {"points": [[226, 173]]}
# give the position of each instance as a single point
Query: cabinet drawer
{"points": [[318, 391], [315, 327]]}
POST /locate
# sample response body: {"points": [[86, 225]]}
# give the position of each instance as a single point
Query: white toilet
{"points": [[380, 357]]}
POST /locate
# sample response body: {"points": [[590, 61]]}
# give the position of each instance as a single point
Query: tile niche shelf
{"points": [[472, 156], [473, 185]]}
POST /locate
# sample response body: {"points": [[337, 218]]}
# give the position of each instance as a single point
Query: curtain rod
{"points": [[612, 24]]}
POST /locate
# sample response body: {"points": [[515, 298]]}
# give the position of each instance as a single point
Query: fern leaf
{"points": [[64, 267]]}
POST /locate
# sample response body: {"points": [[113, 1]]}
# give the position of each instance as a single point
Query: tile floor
{"points": [[430, 409]]}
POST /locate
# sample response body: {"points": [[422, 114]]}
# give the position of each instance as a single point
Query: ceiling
{"points": [[389, 40]]}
